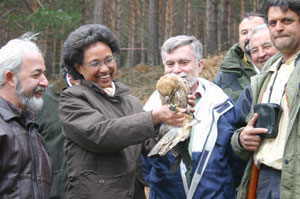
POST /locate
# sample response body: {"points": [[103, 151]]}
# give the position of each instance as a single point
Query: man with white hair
{"points": [[212, 174], [261, 46], [262, 49], [236, 69], [25, 166]]}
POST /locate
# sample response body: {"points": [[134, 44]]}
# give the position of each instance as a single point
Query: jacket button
{"points": [[101, 181], [286, 161]]}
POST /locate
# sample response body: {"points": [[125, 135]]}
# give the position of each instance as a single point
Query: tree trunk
{"points": [[133, 52], [153, 48], [242, 9], [49, 51], [161, 24], [118, 28], [130, 33], [54, 47], [84, 11], [230, 24], [143, 60], [224, 25], [212, 26], [99, 11], [108, 14], [169, 23], [255, 5], [188, 17]]}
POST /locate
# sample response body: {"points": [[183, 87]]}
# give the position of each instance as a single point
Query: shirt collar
{"points": [[26, 115], [291, 60], [200, 90]]}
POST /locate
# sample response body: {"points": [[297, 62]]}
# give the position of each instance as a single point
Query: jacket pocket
{"points": [[94, 186], [9, 189], [17, 187]]}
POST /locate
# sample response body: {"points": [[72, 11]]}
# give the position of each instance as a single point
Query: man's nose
{"points": [[44, 81], [177, 68], [279, 26], [261, 53]]}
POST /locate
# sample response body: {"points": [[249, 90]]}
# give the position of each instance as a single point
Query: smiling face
{"points": [[245, 28], [31, 81], [102, 75], [262, 48], [285, 31], [182, 62]]}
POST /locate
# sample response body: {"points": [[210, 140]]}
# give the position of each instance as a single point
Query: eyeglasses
{"points": [[96, 64]]}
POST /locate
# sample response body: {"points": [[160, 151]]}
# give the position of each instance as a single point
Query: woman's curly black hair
{"points": [[80, 39]]}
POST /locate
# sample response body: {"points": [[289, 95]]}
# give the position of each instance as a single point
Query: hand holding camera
{"points": [[249, 137]]}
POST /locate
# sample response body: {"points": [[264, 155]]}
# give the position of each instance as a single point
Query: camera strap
{"points": [[277, 69]]}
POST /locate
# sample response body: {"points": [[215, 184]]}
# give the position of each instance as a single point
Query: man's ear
{"points": [[10, 78], [200, 66]]}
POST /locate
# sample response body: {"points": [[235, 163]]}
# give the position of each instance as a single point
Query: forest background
{"points": [[140, 25]]}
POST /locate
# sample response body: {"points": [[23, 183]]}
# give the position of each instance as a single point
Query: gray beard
{"points": [[191, 79], [31, 102]]}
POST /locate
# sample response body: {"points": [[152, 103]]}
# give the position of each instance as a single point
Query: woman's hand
{"points": [[164, 114]]}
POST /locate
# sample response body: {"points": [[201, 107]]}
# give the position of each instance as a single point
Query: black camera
{"points": [[268, 117]]}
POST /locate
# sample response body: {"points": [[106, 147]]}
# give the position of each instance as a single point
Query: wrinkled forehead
{"points": [[181, 52], [262, 34], [250, 22]]}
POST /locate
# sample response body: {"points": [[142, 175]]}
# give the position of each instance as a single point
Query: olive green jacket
{"points": [[50, 128], [234, 74], [290, 176]]}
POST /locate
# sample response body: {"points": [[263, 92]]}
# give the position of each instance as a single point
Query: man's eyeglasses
{"points": [[96, 64]]}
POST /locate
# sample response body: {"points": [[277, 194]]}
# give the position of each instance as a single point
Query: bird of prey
{"points": [[173, 91]]}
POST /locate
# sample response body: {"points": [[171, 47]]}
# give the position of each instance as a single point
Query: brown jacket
{"points": [[25, 166], [103, 141]]}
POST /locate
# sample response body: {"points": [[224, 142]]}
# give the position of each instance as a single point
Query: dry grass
{"points": [[142, 78]]}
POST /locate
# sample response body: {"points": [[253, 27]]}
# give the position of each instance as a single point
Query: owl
{"points": [[173, 91]]}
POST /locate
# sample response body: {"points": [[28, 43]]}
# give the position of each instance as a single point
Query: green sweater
{"points": [[50, 129]]}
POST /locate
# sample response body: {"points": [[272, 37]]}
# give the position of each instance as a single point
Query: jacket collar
{"points": [[8, 111]]}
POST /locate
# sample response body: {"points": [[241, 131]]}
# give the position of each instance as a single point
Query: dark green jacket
{"points": [[50, 129], [234, 73]]}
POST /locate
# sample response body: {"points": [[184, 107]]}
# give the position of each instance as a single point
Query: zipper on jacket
{"points": [[34, 164]]}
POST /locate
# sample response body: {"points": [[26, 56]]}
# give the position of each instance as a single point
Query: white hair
{"points": [[181, 40], [11, 55], [257, 29]]}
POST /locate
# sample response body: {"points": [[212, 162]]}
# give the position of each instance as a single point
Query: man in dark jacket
{"points": [[25, 166], [236, 68]]}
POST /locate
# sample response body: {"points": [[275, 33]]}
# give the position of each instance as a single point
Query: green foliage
{"points": [[57, 18]]}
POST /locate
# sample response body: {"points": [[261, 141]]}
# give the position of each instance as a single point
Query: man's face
{"points": [[245, 28], [261, 48], [285, 30], [183, 62], [31, 81]]}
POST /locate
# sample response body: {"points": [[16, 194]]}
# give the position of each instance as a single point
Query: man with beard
{"points": [[236, 68], [273, 158], [25, 166], [212, 173]]}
